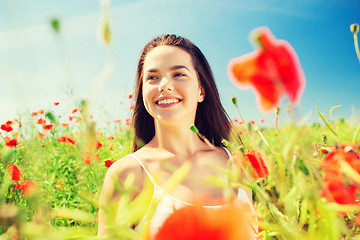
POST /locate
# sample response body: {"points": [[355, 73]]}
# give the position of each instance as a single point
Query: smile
{"points": [[168, 101]]}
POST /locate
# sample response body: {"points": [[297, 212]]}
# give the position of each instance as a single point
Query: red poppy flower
{"points": [[127, 121], [61, 139], [59, 185], [130, 96], [48, 126], [357, 219], [337, 186], [89, 157], [41, 121], [78, 119], [108, 163], [74, 110], [9, 122], [66, 140], [87, 161], [64, 124], [41, 135], [6, 127], [27, 186], [338, 191], [56, 103], [198, 223], [98, 145], [271, 70], [11, 142], [253, 161], [14, 172], [70, 140]]}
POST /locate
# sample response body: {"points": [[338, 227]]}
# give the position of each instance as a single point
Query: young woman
{"points": [[175, 89]]}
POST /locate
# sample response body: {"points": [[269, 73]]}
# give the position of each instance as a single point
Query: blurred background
{"points": [[40, 66]]}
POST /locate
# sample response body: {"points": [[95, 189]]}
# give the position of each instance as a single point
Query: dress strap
{"points": [[228, 153], [143, 166]]}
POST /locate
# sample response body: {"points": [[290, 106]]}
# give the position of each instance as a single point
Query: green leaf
{"points": [[326, 123], [356, 134], [302, 166], [51, 117]]}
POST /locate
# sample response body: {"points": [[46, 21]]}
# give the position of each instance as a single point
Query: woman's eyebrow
{"points": [[176, 67], [172, 68], [152, 70]]}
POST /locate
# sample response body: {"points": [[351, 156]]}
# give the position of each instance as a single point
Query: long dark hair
{"points": [[211, 118]]}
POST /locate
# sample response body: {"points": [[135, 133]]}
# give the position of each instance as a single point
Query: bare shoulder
{"points": [[222, 155], [124, 164], [117, 174]]}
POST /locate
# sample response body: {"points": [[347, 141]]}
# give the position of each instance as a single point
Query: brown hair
{"points": [[211, 118]]}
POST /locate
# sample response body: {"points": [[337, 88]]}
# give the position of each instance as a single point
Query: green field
{"points": [[67, 165]]}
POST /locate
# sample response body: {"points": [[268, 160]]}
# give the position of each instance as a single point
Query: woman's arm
{"points": [[110, 196]]}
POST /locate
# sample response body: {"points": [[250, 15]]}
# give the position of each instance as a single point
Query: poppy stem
{"points": [[324, 145], [234, 101], [277, 111], [355, 29], [237, 108], [348, 170], [326, 123], [356, 47], [257, 129], [194, 129]]}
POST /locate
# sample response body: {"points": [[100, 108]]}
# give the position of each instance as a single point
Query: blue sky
{"points": [[38, 67]]}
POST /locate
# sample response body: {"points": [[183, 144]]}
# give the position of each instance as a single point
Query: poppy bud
{"points": [[55, 23], [51, 117], [354, 28], [234, 100], [194, 129], [277, 110], [324, 138], [106, 32]]}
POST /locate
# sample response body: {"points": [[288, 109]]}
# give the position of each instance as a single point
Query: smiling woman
{"points": [[175, 89], [171, 89]]}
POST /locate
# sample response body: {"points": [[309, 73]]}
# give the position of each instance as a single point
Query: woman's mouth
{"points": [[168, 102]]}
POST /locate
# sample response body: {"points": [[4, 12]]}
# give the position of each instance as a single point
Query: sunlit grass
{"points": [[69, 177]]}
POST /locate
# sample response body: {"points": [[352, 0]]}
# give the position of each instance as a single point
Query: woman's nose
{"points": [[166, 85]]}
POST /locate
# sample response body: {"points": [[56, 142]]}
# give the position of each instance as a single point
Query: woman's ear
{"points": [[201, 95]]}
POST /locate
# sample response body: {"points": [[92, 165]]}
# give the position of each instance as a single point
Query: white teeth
{"points": [[168, 101]]}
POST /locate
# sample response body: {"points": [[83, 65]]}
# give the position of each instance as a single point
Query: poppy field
{"points": [[305, 178]]}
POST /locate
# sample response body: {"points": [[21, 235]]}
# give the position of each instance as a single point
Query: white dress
{"points": [[166, 204]]}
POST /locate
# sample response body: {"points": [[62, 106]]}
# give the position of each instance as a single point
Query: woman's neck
{"points": [[177, 139]]}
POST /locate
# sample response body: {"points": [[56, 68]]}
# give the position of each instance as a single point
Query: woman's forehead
{"points": [[167, 56]]}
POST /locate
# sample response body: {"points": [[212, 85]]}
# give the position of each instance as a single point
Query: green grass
{"points": [[65, 204]]}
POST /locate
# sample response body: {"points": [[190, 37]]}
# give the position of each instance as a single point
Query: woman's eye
{"points": [[179, 75], [151, 78]]}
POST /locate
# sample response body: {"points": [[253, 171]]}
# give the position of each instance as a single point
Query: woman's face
{"points": [[171, 89]]}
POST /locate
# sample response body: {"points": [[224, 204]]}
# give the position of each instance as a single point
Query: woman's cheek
{"points": [[147, 100]]}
